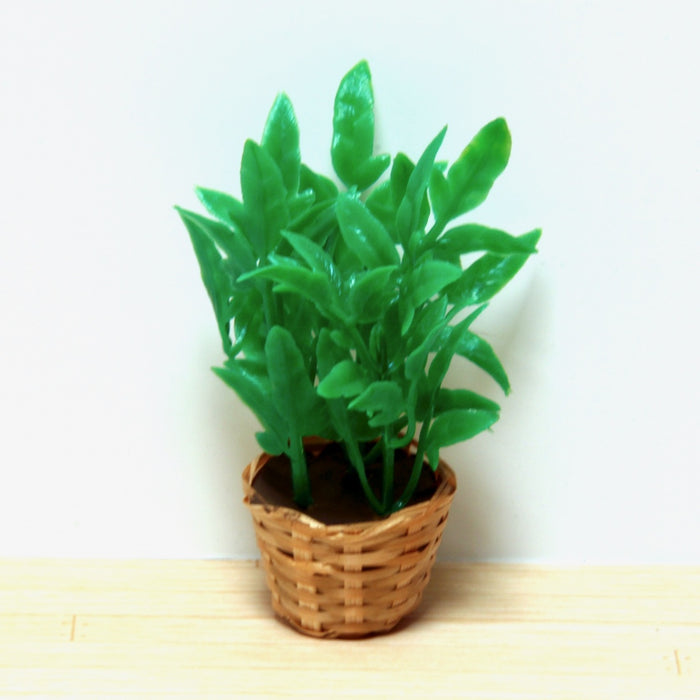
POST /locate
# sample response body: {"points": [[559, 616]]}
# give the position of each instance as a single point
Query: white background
{"points": [[116, 437]]}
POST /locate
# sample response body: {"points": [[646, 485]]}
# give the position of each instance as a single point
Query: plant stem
{"points": [[417, 467], [300, 472], [369, 457], [388, 472], [356, 460]]}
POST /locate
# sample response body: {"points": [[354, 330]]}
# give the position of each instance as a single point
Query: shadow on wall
{"points": [[484, 520]]}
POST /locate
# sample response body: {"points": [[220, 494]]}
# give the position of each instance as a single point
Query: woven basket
{"points": [[348, 580]]}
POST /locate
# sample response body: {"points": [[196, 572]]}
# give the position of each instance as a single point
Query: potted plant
{"points": [[340, 309]]}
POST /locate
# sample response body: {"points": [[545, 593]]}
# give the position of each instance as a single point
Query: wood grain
{"points": [[204, 629]]}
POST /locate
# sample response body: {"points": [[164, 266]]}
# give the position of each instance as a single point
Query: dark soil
{"points": [[335, 488]]}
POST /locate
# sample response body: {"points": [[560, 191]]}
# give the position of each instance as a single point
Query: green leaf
{"points": [[429, 278], [264, 198], [250, 381], [247, 313], [217, 274], [488, 275], [383, 401], [292, 389], [300, 205], [364, 234], [449, 343], [371, 293], [450, 399], [456, 426], [408, 215], [416, 359], [380, 202], [328, 353], [347, 378], [353, 130], [400, 173], [271, 443], [292, 277], [319, 223], [323, 187], [239, 257], [439, 192], [342, 339], [426, 320], [224, 207], [478, 351], [472, 175], [471, 238], [312, 253], [281, 140]]}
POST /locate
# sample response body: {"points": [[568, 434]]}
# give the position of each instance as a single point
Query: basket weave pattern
{"points": [[348, 580]]}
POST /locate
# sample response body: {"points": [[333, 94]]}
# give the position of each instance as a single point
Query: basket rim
{"points": [[444, 493]]}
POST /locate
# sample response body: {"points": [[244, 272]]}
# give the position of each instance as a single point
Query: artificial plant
{"points": [[341, 308]]}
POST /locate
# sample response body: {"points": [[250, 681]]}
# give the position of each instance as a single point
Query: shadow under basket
{"points": [[348, 580]]}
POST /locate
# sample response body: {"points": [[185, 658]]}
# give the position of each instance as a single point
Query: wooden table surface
{"points": [[204, 629]]}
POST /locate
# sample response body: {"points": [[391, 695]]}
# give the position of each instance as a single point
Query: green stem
{"points": [[435, 231], [363, 350], [388, 472], [356, 460], [369, 457], [300, 472], [417, 467]]}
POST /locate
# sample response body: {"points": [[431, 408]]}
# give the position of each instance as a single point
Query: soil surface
{"points": [[335, 488]]}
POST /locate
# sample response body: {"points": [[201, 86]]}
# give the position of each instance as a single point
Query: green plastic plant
{"points": [[341, 310]]}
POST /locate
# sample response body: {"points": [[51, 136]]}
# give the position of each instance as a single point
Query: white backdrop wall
{"points": [[117, 440]]}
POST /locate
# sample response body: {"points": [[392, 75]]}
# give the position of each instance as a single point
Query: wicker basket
{"points": [[348, 580]]}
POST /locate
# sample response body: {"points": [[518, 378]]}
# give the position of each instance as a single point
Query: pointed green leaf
{"points": [[456, 426], [347, 378], [271, 443], [372, 292], [400, 173], [429, 278], [292, 277], [439, 194], [449, 343], [292, 389], [321, 186], [488, 275], [380, 202], [239, 257], [281, 140], [224, 207], [342, 339], [383, 401], [450, 399], [250, 381], [471, 238], [328, 353], [416, 359], [364, 234], [312, 253], [426, 320], [300, 205], [217, 274], [472, 175], [409, 212], [478, 351], [353, 130], [264, 199]]}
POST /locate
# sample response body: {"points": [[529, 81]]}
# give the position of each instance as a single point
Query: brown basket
{"points": [[348, 580]]}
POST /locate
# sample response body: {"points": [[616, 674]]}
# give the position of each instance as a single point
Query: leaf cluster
{"points": [[341, 309]]}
